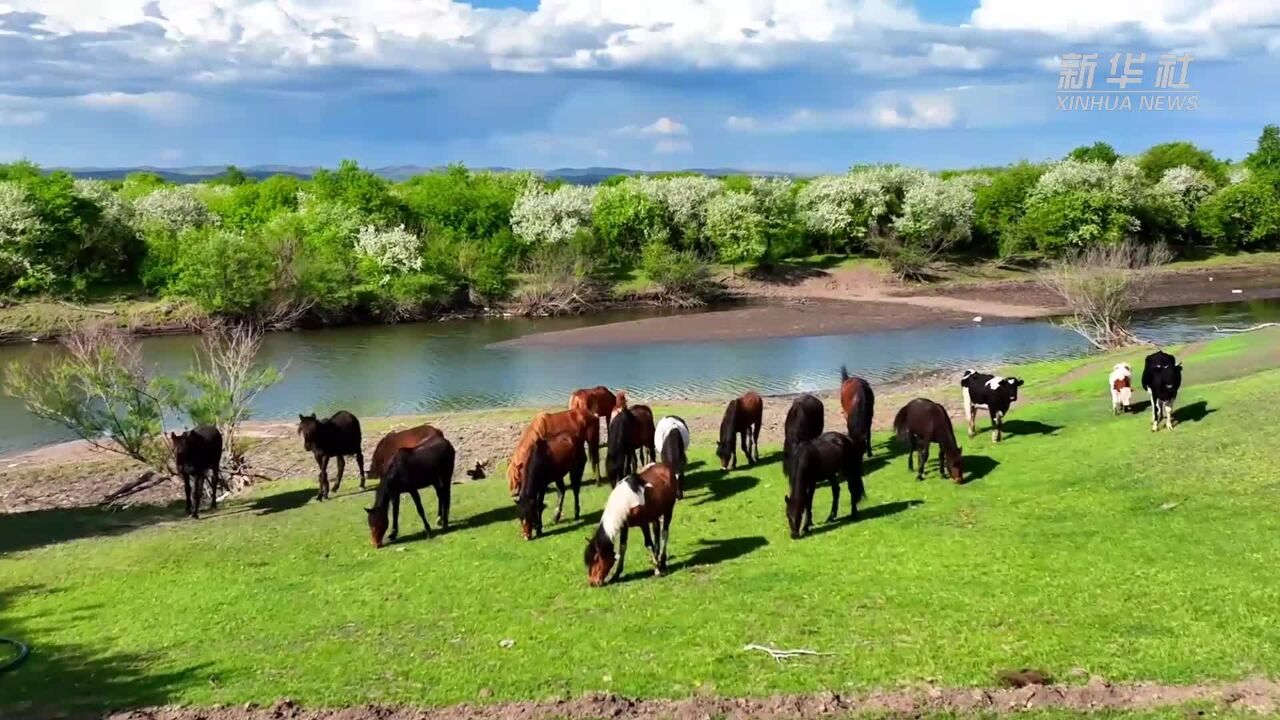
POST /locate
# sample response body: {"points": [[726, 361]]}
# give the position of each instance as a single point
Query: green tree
{"points": [[626, 219], [253, 205], [1161, 158], [999, 206], [736, 226], [361, 190], [1243, 216], [223, 271], [462, 203], [232, 176], [1265, 159], [1097, 152]]}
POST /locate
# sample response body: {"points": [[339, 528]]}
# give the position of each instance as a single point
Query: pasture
{"points": [[1083, 541]]}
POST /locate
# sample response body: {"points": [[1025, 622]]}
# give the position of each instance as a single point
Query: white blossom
{"points": [[1238, 175], [936, 213], [20, 226], [115, 209], [539, 216], [395, 251], [1188, 183], [175, 208], [685, 197], [736, 226], [842, 206]]}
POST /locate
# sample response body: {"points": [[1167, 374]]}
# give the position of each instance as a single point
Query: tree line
{"points": [[348, 244]]}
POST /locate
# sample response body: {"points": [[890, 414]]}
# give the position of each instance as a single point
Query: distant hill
{"points": [[396, 173]]}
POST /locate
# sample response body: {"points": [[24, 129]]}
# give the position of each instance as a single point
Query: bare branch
{"points": [[1102, 285]]}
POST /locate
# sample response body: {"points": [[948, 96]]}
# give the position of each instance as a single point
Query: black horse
{"points": [[429, 465], [336, 437], [828, 456], [624, 443], [549, 461], [922, 422], [858, 402], [804, 422], [198, 454]]}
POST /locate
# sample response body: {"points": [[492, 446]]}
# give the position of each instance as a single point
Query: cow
{"points": [[1121, 382], [995, 394], [1161, 377]]}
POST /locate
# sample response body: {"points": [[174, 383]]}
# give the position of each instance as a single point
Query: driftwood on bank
{"points": [[1245, 330]]}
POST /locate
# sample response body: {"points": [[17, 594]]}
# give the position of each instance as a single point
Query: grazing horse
{"points": [[826, 457], [428, 465], [804, 423], [858, 403], [1121, 382], [742, 416], [336, 437], [645, 432], [624, 442], [599, 400], [646, 500], [549, 462], [620, 404], [582, 424], [197, 454], [672, 440], [395, 440], [1162, 377], [922, 422]]}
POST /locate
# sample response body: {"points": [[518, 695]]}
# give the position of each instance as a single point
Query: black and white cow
{"points": [[1162, 377], [995, 394]]}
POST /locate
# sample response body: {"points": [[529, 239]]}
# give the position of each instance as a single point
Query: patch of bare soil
{"points": [[1256, 695]]}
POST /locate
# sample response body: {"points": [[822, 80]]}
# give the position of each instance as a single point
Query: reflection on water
{"points": [[428, 367]]}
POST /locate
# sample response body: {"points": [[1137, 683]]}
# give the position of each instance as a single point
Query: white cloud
{"points": [[884, 111], [669, 146], [662, 127], [160, 105], [1194, 21], [17, 118], [740, 123]]}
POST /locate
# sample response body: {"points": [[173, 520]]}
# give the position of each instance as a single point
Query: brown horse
{"points": [[582, 424], [742, 416], [645, 500], [598, 400], [549, 462], [922, 422], [858, 403], [396, 439], [643, 432]]}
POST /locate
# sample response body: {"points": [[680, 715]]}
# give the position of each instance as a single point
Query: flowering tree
{"points": [[174, 208], [685, 198], [539, 216], [841, 207], [936, 214], [394, 251], [1077, 204], [20, 230], [737, 227]]}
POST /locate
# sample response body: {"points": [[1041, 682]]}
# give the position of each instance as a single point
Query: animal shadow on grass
{"points": [[718, 485], [506, 512], [568, 524], [1140, 406], [976, 467], [872, 513], [884, 455], [1029, 427], [708, 553], [281, 502], [38, 528], [1195, 412]]}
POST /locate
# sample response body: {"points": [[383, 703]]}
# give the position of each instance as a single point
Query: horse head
{"points": [[377, 524], [307, 425], [599, 559], [955, 466]]}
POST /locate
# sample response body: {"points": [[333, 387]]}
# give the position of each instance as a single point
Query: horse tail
{"points": [[593, 446], [844, 374], [900, 426]]}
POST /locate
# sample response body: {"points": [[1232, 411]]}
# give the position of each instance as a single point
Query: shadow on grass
{"points": [[872, 513], [1195, 412], [977, 467], [38, 528], [718, 486], [1029, 427], [61, 679], [706, 554], [282, 502], [506, 512], [568, 524]]}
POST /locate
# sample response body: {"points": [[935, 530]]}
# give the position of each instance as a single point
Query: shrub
{"points": [[1245, 215], [737, 228], [174, 209], [223, 271], [545, 216], [625, 219], [679, 274]]}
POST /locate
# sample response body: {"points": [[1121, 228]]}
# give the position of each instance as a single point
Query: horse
{"points": [[624, 442], [599, 400], [922, 422], [827, 456], [336, 437], [742, 416], [549, 462], [858, 403], [582, 424], [429, 464], [804, 422], [645, 500], [645, 432], [396, 439], [197, 454], [672, 440]]}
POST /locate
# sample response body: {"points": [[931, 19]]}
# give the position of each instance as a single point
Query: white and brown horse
{"points": [[645, 500]]}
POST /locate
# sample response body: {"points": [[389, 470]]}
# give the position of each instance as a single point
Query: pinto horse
{"points": [[672, 440], [335, 437], [742, 416], [625, 441], [428, 465], [828, 456], [804, 423], [645, 500], [549, 462], [858, 403], [599, 400], [581, 424], [397, 439], [922, 422], [645, 432]]}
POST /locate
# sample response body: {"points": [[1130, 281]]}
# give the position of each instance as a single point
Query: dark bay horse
{"points": [[858, 403], [672, 440], [395, 440], [742, 416], [923, 422], [804, 422], [428, 465], [335, 437], [625, 442], [549, 462], [829, 456], [644, 432], [198, 454], [582, 424], [599, 400], [646, 500]]}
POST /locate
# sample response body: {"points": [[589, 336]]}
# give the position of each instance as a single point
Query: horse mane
{"points": [[620, 402], [844, 374], [947, 440], [728, 423], [520, 456]]}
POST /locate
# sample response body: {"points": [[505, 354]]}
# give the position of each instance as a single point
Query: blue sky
{"points": [[798, 85]]}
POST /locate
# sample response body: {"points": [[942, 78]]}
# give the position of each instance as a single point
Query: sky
{"points": [[802, 86]]}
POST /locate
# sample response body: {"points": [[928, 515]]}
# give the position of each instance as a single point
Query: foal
{"points": [[672, 440], [741, 417], [645, 500], [826, 457], [335, 437], [922, 422], [549, 462], [197, 454], [858, 403], [429, 465]]}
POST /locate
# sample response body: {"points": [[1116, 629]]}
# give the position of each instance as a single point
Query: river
{"points": [[432, 367]]}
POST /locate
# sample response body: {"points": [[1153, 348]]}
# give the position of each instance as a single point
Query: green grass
{"points": [[1083, 541]]}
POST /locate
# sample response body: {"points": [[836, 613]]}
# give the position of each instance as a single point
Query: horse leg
{"points": [[323, 462], [649, 534], [835, 498], [746, 445], [559, 505], [755, 440], [213, 487], [444, 499], [924, 458], [666, 535], [808, 509], [395, 517], [360, 464], [622, 553], [186, 492], [342, 466], [417, 502]]}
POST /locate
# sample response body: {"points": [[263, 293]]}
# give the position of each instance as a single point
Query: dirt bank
{"points": [[1256, 695]]}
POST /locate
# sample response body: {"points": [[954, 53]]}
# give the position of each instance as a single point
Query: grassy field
{"points": [[1083, 541]]}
